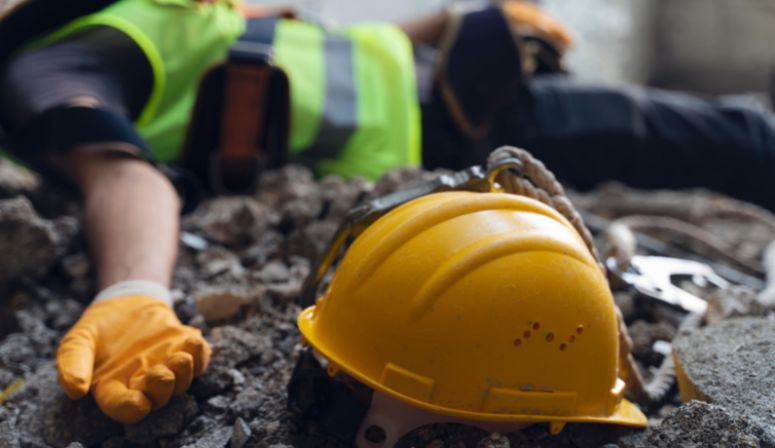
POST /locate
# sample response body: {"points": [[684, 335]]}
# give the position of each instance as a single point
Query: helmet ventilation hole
{"points": [[549, 337], [527, 334], [536, 325], [375, 434], [517, 342], [571, 339], [562, 347], [580, 329]]}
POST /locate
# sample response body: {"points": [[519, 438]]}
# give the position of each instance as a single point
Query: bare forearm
{"points": [[131, 218]]}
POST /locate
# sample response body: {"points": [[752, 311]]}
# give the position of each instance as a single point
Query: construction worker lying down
{"points": [[102, 93]]}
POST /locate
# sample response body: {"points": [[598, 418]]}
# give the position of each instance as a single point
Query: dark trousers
{"points": [[646, 138]]}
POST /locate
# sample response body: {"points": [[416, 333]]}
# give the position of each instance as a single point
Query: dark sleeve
{"points": [[86, 89], [647, 138]]}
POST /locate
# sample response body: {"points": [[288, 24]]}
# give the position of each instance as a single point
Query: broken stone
{"points": [[311, 241], [247, 403], [735, 301], [223, 302], [29, 244], [218, 403], [9, 436], [730, 363], [285, 184], [232, 346], [299, 212], [494, 440], [48, 416], [232, 221], [167, 421], [215, 380], [15, 179], [339, 196], [698, 425], [273, 272], [219, 437], [240, 434], [402, 178], [217, 261]]}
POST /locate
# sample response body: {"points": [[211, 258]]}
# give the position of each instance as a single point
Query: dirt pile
{"points": [[241, 265]]}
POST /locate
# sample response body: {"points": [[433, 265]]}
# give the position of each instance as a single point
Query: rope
{"points": [[537, 182]]}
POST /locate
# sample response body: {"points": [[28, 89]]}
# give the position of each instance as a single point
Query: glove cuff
{"points": [[135, 288]]}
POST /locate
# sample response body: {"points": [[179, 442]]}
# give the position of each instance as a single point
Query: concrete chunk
{"points": [[731, 363]]}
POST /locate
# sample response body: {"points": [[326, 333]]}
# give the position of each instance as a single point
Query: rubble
{"points": [[238, 280], [730, 363], [736, 301], [700, 425], [231, 221], [30, 244], [221, 303]]}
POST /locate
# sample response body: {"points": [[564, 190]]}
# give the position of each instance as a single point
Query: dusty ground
{"points": [[253, 253]]}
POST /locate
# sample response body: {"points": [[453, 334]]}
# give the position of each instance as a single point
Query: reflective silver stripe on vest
{"points": [[340, 115]]}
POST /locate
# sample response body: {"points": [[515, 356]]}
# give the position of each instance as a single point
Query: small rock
{"points": [[9, 435], [247, 403], [75, 445], [237, 377], [299, 212], [736, 301], [29, 244], [214, 381], [494, 440], [240, 434], [273, 272], [312, 240], [217, 261], [216, 438], [219, 403], [15, 179], [730, 363], [167, 421], [223, 302], [233, 221], [401, 178], [57, 419], [285, 184], [698, 425], [232, 346]]}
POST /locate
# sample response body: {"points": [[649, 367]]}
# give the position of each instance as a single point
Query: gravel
{"points": [[257, 251]]}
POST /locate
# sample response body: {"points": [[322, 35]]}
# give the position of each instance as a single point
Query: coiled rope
{"points": [[539, 183]]}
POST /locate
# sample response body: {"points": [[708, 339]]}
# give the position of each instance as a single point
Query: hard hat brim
{"points": [[625, 414]]}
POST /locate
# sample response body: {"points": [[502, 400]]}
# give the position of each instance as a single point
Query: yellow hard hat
{"points": [[477, 306]]}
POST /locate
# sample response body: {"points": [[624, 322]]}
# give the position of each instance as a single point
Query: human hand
{"points": [[133, 353]]}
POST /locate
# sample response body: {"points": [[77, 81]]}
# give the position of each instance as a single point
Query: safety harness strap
{"points": [[253, 106]]}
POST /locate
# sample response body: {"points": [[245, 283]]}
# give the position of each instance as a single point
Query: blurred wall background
{"points": [[713, 46]]}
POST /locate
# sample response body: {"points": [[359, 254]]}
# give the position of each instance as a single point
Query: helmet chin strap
{"points": [[388, 420]]}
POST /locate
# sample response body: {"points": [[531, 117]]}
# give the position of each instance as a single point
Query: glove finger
{"points": [[158, 385], [75, 362], [182, 365], [200, 350], [121, 403]]}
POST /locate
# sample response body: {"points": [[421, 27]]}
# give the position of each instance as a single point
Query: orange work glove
{"points": [[134, 354]]}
